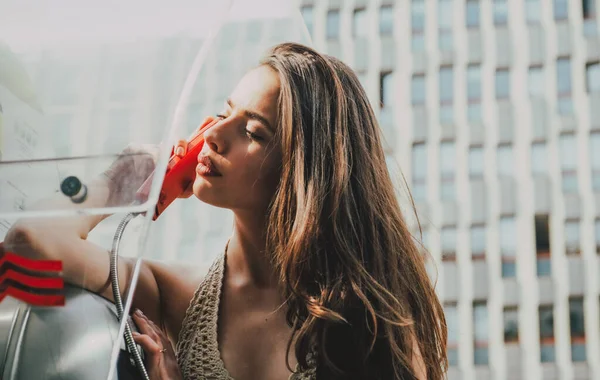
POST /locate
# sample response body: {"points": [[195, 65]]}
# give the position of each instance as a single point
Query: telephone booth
{"points": [[81, 85]]}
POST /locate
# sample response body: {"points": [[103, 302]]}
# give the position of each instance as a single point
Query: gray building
{"points": [[490, 108]]}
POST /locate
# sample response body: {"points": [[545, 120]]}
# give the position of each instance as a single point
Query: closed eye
{"points": [[253, 136]]}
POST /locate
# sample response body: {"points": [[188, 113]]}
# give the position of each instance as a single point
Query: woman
{"points": [[320, 278]]}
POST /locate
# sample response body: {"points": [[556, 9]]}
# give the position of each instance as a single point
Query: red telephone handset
{"points": [[181, 170]]}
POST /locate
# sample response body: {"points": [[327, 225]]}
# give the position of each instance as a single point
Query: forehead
{"points": [[258, 91]]}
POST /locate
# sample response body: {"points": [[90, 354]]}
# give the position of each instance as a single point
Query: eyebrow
{"points": [[254, 115]]}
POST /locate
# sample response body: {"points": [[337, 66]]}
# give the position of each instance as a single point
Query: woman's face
{"points": [[239, 165]]}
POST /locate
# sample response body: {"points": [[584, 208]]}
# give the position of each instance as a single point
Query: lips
{"points": [[206, 167]]}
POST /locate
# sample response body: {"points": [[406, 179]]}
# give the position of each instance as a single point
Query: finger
{"points": [[150, 346], [164, 340], [188, 190], [180, 148], [206, 121], [145, 327]]}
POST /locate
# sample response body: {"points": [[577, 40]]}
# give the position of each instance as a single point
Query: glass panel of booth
{"points": [[92, 98]]}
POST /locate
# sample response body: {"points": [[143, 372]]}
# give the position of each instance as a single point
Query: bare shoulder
{"points": [[176, 282]]}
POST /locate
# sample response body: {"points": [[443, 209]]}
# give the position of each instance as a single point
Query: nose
{"points": [[214, 137]]}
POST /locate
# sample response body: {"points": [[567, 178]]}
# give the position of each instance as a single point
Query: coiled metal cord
{"points": [[114, 278]]}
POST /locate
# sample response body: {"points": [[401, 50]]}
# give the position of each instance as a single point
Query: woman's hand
{"points": [[161, 362], [129, 171]]}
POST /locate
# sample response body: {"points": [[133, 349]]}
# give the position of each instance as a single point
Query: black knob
{"points": [[74, 189]]}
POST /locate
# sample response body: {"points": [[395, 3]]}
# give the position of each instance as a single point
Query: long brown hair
{"points": [[357, 289]]}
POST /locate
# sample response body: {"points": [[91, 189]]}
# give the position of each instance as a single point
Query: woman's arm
{"points": [[85, 264]]}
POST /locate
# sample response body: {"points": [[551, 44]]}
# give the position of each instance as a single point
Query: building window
{"points": [[511, 325], [307, 15], [597, 234], [477, 242], [474, 112], [500, 12], [446, 89], [445, 13], [385, 89], [572, 237], [505, 160], [589, 17], [508, 246], [546, 315], [542, 245], [561, 9], [447, 165], [563, 79], [595, 160], [481, 326], [592, 76], [474, 92], [359, 23], [476, 161], [419, 171], [451, 314], [589, 8], [502, 82], [539, 159], [568, 162], [578, 353], [535, 80], [418, 89], [472, 15], [417, 10], [532, 11], [474, 83], [448, 242], [333, 24], [386, 20]]}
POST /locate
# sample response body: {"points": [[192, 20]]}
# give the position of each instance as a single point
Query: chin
{"points": [[206, 193]]}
